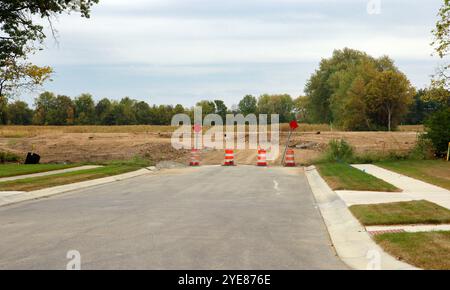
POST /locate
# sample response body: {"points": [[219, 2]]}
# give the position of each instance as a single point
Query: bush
{"points": [[438, 131], [423, 149], [339, 150], [7, 157]]}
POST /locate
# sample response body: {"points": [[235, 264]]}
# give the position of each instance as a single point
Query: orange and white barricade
{"points": [[195, 157], [262, 157], [229, 157], [290, 158]]}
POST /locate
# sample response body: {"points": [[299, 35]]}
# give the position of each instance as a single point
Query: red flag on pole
{"points": [[293, 125]]}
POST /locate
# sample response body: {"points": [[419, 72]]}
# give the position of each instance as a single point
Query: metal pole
{"points": [[285, 149]]}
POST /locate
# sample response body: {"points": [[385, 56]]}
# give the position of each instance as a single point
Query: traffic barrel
{"points": [[290, 158], [262, 157], [195, 157], [229, 157]]}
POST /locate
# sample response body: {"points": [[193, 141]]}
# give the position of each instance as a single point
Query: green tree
{"points": [[221, 109], [61, 111], [301, 105], [208, 107], [19, 113], [43, 105], [248, 105], [143, 113], [17, 22], [103, 111], [358, 92], [179, 109], [389, 96], [282, 105], [438, 130], [84, 110]]}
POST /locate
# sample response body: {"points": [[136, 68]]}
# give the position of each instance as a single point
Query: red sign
{"points": [[197, 128], [293, 125]]}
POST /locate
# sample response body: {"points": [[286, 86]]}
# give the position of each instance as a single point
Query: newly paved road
{"points": [[207, 218]]}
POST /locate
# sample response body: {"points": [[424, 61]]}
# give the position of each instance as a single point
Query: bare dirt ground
{"points": [[62, 146]]}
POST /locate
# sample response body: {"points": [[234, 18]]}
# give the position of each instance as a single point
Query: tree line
{"points": [[51, 109]]}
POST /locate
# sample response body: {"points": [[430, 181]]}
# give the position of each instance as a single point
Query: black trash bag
{"points": [[32, 158]]}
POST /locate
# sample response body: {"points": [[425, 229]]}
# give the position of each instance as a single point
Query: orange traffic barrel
{"points": [[195, 157], [229, 157], [262, 157], [290, 158]]}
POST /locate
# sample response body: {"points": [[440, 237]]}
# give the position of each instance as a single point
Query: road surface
{"points": [[211, 217]]}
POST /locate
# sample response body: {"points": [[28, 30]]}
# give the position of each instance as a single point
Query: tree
{"points": [[221, 109], [84, 110], [103, 111], [61, 111], [438, 130], [422, 107], [124, 112], [17, 23], [43, 104], [358, 92], [16, 76], [441, 44], [179, 109], [19, 113], [277, 104], [248, 105], [390, 95], [18, 38], [143, 113], [301, 105], [208, 107]]}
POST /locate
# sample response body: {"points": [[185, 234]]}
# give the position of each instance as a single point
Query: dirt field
{"points": [[94, 143]]}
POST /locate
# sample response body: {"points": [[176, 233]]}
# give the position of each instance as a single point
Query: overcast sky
{"points": [[182, 51]]}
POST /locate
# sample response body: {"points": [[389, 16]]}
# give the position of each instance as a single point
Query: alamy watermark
{"points": [[374, 7], [236, 132]]}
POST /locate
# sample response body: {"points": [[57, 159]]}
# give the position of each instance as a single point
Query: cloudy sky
{"points": [[181, 51]]}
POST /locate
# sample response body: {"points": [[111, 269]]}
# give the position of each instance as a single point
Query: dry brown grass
{"points": [[32, 131]]}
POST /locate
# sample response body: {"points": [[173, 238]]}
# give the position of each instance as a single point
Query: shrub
{"points": [[6, 157], [339, 150], [423, 149], [438, 131]]}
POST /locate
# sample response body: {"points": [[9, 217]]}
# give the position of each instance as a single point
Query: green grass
{"points": [[340, 176], [110, 169], [430, 250], [436, 172], [401, 213], [8, 170]]}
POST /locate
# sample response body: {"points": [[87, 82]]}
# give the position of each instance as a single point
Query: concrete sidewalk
{"points": [[350, 239], [413, 189], [8, 197], [47, 173]]}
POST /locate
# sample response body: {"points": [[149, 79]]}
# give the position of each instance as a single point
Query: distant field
{"points": [[29, 131], [74, 144]]}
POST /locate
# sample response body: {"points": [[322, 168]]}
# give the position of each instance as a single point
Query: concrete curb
{"points": [[42, 193], [352, 243]]}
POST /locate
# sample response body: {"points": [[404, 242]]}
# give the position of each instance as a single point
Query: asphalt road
{"points": [[206, 218]]}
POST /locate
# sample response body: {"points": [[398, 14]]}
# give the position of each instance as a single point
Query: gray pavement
{"points": [[204, 218]]}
